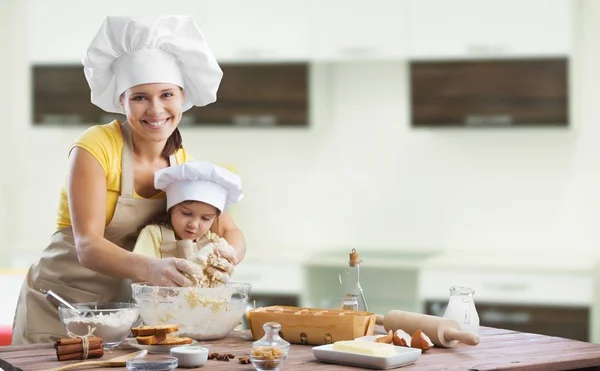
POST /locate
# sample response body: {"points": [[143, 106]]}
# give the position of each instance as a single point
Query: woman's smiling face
{"points": [[153, 110]]}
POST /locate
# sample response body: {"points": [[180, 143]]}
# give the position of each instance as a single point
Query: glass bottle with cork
{"points": [[353, 297]]}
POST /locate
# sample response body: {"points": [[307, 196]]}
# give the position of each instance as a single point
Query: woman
{"points": [[152, 70]]}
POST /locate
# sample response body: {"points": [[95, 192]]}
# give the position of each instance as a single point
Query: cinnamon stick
{"points": [[78, 348], [93, 353], [76, 340]]}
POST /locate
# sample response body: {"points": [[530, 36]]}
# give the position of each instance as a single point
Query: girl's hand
{"points": [[225, 250]]}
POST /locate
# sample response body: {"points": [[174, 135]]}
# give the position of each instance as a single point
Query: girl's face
{"points": [[192, 219], [153, 110]]}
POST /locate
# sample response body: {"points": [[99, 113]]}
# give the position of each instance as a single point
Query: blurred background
{"points": [[448, 142]]}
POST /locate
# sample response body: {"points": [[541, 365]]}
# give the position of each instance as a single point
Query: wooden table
{"points": [[498, 350]]}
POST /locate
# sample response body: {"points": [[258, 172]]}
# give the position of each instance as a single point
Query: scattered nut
{"points": [[386, 338], [421, 341], [244, 360], [221, 356]]}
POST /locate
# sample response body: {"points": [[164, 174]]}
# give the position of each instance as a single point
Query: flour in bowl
{"points": [[111, 327]]}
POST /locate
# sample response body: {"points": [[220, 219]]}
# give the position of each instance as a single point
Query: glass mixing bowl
{"points": [[201, 313], [111, 321]]}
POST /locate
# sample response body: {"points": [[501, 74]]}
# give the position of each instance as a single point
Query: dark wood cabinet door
{"points": [[251, 95], [489, 93]]}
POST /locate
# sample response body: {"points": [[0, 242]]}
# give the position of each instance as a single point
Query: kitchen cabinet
{"points": [[507, 286], [490, 93], [390, 279], [257, 30], [330, 30], [46, 33], [272, 283], [59, 31], [440, 29], [358, 30], [552, 299], [236, 30], [384, 288], [250, 95], [270, 277], [566, 322]]}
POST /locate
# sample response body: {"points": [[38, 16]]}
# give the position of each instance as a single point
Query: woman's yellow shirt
{"points": [[105, 143]]}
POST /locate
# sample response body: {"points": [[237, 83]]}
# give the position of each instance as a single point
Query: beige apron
{"points": [[36, 319], [172, 248]]}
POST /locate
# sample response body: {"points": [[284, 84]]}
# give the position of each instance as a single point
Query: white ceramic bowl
{"points": [[190, 356]]}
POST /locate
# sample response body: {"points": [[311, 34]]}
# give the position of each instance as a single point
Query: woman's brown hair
{"points": [[174, 143]]}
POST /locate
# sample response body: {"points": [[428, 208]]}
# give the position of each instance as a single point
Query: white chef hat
{"points": [[199, 181], [129, 51]]}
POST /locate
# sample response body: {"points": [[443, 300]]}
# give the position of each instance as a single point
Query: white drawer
{"points": [[270, 279], [567, 289]]}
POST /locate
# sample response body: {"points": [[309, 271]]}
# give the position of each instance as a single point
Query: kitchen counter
{"points": [[498, 350], [512, 278]]}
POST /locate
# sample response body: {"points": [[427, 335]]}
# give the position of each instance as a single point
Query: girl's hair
{"points": [[164, 219]]}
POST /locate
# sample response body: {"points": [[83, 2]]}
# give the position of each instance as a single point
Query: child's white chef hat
{"points": [[199, 181], [129, 51]]}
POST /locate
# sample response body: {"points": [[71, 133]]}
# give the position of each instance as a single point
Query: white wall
{"points": [[360, 177], [13, 105]]}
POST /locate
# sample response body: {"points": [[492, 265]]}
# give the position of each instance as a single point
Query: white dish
{"points": [[369, 338], [404, 356], [131, 343]]}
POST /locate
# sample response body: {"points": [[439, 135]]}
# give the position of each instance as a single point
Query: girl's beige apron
{"points": [[36, 319], [173, 248]]}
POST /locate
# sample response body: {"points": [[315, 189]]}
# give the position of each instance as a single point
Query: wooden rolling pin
{"points": [[443, 332]]}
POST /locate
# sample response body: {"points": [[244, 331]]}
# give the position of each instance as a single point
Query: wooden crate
{"points": [[313, 326]]}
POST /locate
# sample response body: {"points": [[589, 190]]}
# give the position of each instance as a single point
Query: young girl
{"points": [[197, 193]]}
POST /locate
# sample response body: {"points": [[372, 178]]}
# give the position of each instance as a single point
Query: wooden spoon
{"points": [[115, 362]]}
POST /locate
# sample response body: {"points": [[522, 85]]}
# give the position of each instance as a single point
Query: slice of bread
{"points": [[175, 340], [154, 330], [151, 339]]}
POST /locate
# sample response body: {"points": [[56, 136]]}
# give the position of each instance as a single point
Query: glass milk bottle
{"points": [[461, 308]]}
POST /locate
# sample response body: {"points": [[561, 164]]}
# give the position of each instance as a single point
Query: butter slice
{"points": [[365, 347]]}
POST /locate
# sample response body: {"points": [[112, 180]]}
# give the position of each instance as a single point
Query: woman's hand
{"points": [[170, 272]]}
